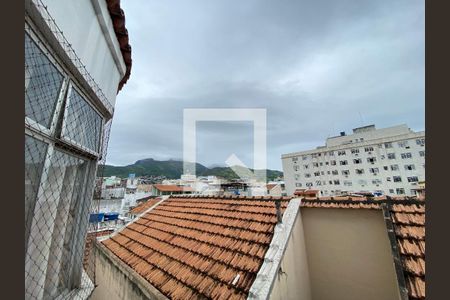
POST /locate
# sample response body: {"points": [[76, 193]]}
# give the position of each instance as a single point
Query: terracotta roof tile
{"points": [[172, 188], [195, 247], [144, 206], [408, 218]]}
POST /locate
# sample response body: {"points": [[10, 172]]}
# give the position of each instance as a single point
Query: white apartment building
{"points": [[389, 161]]}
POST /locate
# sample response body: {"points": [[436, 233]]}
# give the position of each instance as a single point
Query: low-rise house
{"points": [[170, 189], [198, 247]]}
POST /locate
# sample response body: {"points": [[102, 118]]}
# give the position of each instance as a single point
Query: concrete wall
{"points": [[292, 281], [91, 34], [349, 254], [115, 281]]}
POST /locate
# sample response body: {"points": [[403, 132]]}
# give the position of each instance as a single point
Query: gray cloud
{"points": [[318, 67]]}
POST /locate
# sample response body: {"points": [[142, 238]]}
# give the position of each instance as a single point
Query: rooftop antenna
{"points": [[361, 118]]}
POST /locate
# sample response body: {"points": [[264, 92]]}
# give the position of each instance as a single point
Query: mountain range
{"points": [[171, 169]]}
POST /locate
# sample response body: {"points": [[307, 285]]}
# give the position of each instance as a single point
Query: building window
{"points": [[318, 182], [357, 161], [330, 182], [347, 183], [359, 171], [368, 149], [60, 172], [322, 173], [295, 168], [385, 168], [391, 155], [307, 175], [315, 165], [406, 155], [314, 155], [298, 184], [333, 162], [420, 142], [394, 168], [391, 191], [327, 163], [400, 191], [387, 145], [374, 171], [343, 162], [413, 179], [331, 153], [371, 160], [422, 153], [388, 178], [382, 156], [362, 182], [40, 98], [403, 144], [309, 184], [305, 157], [295, 159], [35, 152], [346, 172], [410, 167], [397, 178], [341, 152], [316, 174], [335, 172], [82, 124], [376, 181], [306, 166], [355, 151], [328, 172], [336, 182]]}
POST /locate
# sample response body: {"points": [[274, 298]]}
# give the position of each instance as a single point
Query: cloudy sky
{"points": [[317, 67]]}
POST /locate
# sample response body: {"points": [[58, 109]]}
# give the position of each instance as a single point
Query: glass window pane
{"points": [[35, 152], [67, 186], [82, 124], [42, 84]]}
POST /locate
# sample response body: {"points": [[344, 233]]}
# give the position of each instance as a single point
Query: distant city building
{"points": [[389, 161], [168, 189]]}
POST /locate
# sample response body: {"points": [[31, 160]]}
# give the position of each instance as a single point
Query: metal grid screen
{"points": [[65, 140]]}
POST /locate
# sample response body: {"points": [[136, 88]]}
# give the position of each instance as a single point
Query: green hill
{"points": [[171, 169]]}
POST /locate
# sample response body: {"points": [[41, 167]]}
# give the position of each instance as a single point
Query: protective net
{"points": [[66, 137]]}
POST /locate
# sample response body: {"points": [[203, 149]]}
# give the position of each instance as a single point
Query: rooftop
{"points": [[193, 246], [142, 207], [408, 218], [172, 188]]}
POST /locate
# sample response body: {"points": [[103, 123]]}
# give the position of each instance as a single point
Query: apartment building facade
{"points": [[77, 58], [388, 161]]}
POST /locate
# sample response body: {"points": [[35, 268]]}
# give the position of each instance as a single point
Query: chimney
{"points": [[278, 207], [342, 133]]}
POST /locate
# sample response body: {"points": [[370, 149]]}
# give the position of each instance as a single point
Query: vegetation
{"points": [[172, 169]]}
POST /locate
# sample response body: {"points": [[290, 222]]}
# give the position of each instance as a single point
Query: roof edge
{"points": [[118, 19], [262, 286], [164, 198]]}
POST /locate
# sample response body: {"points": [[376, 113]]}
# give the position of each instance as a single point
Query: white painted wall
{"points": [[97, 48], [298, 178]]}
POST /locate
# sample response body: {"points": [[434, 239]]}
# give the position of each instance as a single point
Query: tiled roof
{"points": [[172, 188], [118, 20], [144, 206], [271, 186], [200, 247], [408, 218]]}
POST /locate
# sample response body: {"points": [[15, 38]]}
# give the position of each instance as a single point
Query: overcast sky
{"points": [[318, 67]]}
